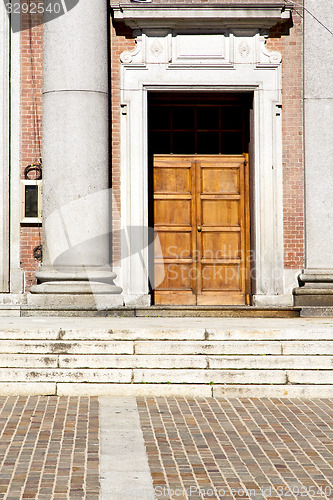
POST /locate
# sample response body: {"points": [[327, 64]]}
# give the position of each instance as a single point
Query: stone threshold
{"points": [[155, 311], [220, 311]]}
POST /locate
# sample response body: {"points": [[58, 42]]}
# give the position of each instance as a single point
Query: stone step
{"points": [[191, 361], [125, 361], [65, 347], [211, 377], [31, 310], [226, 358], [168, 376], [167, 347], [168, 311], [317, 312], [284, 333], [65, 375], [142, 376], [208, 347], [180, 390]]}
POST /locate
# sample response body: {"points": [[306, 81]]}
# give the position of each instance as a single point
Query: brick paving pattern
{"points": [[49, 448], [239, 448], [197, 448]]}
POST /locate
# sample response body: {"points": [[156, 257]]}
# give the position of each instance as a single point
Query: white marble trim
{"points": [[16, 273], [261, 75], [4, 149]]}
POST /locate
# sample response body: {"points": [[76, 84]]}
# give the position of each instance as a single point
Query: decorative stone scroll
{"points": [[127, 56], [265, 55]]}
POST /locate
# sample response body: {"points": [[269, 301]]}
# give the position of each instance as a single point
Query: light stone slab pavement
{"points": [[124, 469]]}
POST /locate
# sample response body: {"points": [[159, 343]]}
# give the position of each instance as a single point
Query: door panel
{"points": [[221, 201], [220, 180], [220, 277], [219, 212], [174, 212], [201, 214], [177, 180], [227, 243], [175, 244]]}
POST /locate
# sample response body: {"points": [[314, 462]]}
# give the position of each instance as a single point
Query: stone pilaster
{"points": [[4, 150], [317, 279]]}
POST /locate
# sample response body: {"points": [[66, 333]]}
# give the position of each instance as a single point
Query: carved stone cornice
{"points": [[191, 16], [223, 49]]}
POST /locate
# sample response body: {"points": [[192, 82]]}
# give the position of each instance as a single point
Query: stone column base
{"points": [[83, 301], [316, 288], [79, 287]]}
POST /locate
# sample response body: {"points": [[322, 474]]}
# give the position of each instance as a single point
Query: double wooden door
{"points": [[201, 216]]}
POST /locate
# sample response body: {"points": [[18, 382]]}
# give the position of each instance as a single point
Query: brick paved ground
{"points": [[49, 448], [206, 448], [226, 448]]}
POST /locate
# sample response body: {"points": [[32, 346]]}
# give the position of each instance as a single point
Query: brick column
{"points": [[76, 204]]}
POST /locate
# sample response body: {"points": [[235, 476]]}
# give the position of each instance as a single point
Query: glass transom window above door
{"points": [[200, 124]]}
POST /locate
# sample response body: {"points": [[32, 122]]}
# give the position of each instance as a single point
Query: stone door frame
{"points": [[236, 61]]}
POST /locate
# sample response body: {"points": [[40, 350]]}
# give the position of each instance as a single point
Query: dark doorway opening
{"points": [[195, 123], [186, 123]]}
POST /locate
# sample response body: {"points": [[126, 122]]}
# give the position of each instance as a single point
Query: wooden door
{"points": [[201, 215]]}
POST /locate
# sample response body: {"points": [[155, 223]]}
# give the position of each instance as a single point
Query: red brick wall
{"points": [[119, 43], [30, 238], [31, 129], [291, 47]]}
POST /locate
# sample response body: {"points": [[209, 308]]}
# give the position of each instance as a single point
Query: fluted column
{"points": [[76, 201]]}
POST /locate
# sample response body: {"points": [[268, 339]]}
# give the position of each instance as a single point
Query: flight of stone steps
{"points": [[236, 360]]}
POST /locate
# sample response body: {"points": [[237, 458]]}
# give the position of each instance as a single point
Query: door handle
{"points": [[199, 228]]}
